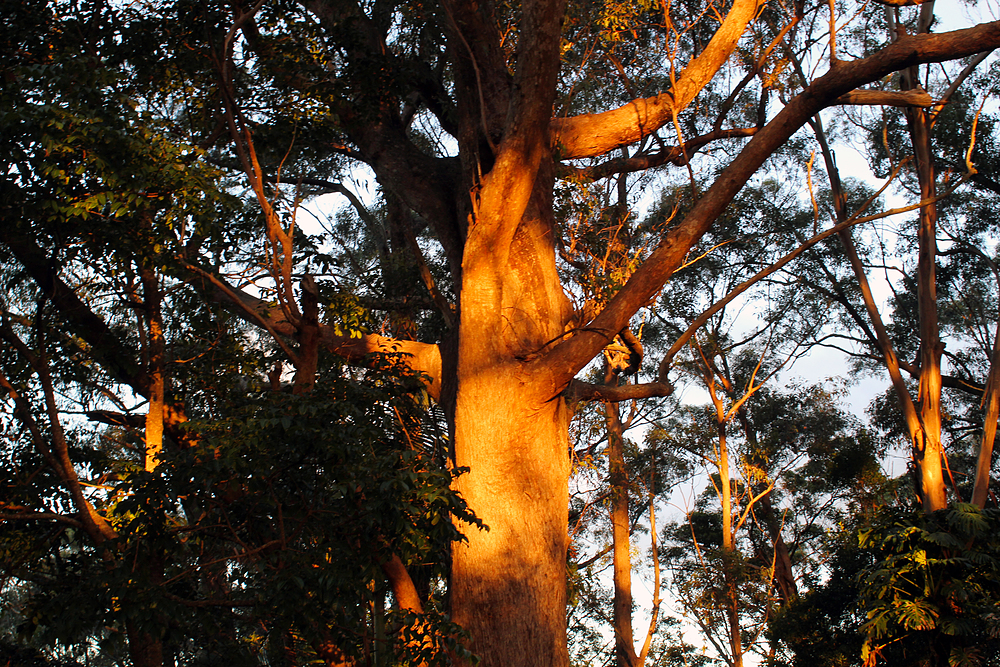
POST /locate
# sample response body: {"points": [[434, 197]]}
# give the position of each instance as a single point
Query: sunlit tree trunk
{"points": [[508, 585], [156, 365], [928, 450], [725, 490]]}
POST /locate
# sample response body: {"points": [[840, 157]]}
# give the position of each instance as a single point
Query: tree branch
{"points": [[578, 391], [889, 98], [588, 135], [107, 349], [420, 357], [566, 358], [402, 585], [676, 155], [39, 516]]}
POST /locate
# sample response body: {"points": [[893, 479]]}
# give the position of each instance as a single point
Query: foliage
{"points": [[276, 522], [932, 593], [822, 627]]}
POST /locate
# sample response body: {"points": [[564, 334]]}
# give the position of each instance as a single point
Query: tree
{"points": [[290, 96]]}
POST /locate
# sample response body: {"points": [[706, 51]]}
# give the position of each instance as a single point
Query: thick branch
{"points": [[402, 585], [588, 135], [585, 391], [888, 98], [116, 418]]}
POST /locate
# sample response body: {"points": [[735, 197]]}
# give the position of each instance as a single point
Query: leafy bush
{"points": [[933, 595]]}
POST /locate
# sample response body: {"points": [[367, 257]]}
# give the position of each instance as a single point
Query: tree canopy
{"points": [[241, 424]]}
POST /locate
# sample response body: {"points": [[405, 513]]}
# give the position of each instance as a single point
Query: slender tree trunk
{"points": [[730, 584], [924, 426], [927, 448], [622, 560], [156, 367], [729, 549], [784, 576], [984, 460], [928, 452], [145, 647]]}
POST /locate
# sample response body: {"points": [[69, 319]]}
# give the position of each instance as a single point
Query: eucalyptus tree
{"points": [[467, 114]]}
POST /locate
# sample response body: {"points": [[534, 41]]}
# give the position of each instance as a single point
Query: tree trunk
{"points": [[729, 553], [511, 429], [622, 607], [725, 490], [144, 649], [508, 584], [928, 452], [784, 576]]}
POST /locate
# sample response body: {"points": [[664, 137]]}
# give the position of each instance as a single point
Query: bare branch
{"points": [[889, 98], [676, 155], [585, 391], [760, 275], [116, 418], [960, 79]]}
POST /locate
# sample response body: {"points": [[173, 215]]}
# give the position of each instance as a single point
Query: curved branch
{"points": [[589, 135], [578, 391], [569, 356], [402, 585], [676, 155]]}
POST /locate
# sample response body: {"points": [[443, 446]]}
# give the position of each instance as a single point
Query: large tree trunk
{"points": [[509, 583], [511, 429]]}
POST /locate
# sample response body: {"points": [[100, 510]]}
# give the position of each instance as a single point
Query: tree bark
{"points": [[508, 585]]}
